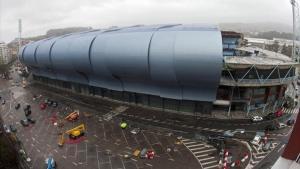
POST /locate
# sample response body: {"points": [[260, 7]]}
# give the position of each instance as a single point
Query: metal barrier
{"points": [[255, 82]]}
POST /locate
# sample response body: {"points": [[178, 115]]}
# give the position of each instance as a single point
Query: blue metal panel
{"points": [[171, 61], [43, 53], [126, 54], [80, 51], [60, 56], [20, 53], [161, 57], [29, 53], [198, 62]]}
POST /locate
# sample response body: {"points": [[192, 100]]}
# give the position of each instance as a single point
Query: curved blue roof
{"points": [[172, 61]]}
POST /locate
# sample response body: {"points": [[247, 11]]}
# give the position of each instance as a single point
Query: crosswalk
{"points": [[290, 111], [204, 153], [258, 154]]}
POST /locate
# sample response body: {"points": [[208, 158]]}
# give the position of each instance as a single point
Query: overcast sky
{"points": [[40, 15]]}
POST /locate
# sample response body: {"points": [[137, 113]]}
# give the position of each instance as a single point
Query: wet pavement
{"points": [[104, 143]]}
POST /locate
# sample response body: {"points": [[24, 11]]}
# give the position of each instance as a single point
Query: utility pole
{"points": [[295, 10], [20, 33]]}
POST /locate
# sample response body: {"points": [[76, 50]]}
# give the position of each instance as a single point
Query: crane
{"points": [[73, 116]]}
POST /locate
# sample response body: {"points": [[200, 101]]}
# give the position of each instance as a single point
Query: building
{"points": [[231, 40], [5, 54], [185, 68]]}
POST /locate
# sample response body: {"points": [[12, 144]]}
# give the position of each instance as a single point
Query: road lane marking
{"points": [[200, 148], [195, 145], [202, 155], [214, 161], [214, 166], [281, 148], [204, 151], [208, 158]]}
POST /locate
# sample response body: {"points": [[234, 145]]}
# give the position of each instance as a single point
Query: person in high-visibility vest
{"points": [[123, 125]]}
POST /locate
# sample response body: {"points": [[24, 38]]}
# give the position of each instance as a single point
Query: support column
{"points": [[229, 109]]}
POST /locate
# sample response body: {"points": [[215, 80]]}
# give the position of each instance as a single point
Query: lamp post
{"points": [[293, 2]]}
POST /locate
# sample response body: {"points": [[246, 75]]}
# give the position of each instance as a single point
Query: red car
{"points": [[43, 106], [150, 154], [279, 113]]}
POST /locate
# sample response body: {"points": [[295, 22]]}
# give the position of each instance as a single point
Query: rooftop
{"points": [[249, 56]]}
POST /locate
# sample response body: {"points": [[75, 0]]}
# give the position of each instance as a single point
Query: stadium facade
{"points": [[185, 68]]}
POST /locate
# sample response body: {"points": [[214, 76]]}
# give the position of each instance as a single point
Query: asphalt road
{"points": [[105, 143]]}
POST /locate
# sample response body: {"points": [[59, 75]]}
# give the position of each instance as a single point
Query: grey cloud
{"points": [[40, 15]]}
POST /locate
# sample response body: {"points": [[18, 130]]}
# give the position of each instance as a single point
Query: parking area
{"points": [[104, 143]]}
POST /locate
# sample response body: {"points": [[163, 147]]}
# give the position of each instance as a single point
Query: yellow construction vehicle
{"points": [[73, 133]]}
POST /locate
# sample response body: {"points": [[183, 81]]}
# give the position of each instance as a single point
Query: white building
{"points": [[5, 54], [259, 42]]}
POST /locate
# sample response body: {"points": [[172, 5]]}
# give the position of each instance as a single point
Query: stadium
{"points": [[193, 69]]}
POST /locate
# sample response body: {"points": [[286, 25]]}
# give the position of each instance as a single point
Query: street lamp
{"points": [[295, 9]]}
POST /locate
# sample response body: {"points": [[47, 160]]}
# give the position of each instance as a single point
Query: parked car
{"points": [[43, 106], [12, 128], [290, 122], [49, 102], [24, 123], [228, 133], [6, 128], [27, 113], [281, 125], [256, 119], [32, 121], [3, 102], [242, 131], [50, 162], [267, 146], [143, 153], [17, 106], [135, 130], [54, 104], [256, 140], [279, 113], [28, 106]]}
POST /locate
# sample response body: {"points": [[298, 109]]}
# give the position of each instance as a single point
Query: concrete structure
{"points": [[173, 67], [5, 54]]}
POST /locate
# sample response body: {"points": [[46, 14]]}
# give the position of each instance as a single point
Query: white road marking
{"points": [[281, 148], [200, 148], [208, 158], [196, 145], [214, 161], [202, 155], [192, 142], [214, 166], [148, 164], [133, 159], [204, 151]]}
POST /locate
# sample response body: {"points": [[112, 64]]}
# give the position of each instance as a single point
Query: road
{"points": [[105, 142]]}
